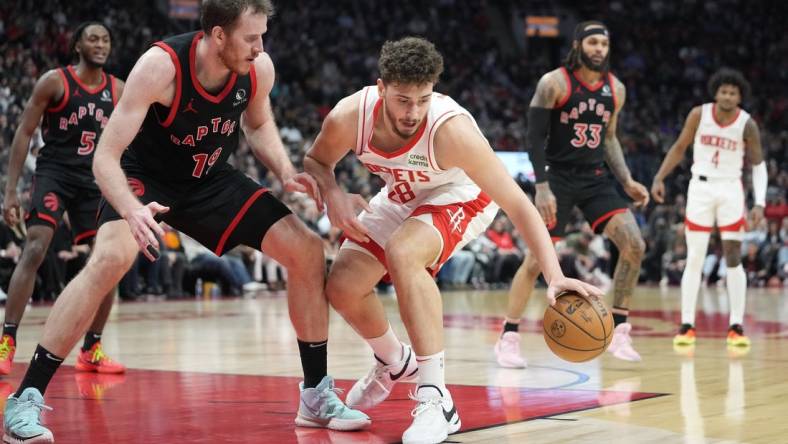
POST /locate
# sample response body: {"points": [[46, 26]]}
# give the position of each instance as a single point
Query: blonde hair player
{"points": [[442, 178], [720, 133]]}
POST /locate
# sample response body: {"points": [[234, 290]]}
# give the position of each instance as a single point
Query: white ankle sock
{"points": [[431, 371], [386, 347]]}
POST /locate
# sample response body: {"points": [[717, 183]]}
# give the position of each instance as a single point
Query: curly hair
{"points": [[80, 31], [225, 13], [728, 76], [410, 61]]}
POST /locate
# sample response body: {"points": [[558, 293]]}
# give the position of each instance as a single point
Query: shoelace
{"points": [[98, 355], [29, 408], [333, 401], [5, 348], [376, 375], [424, 404], [511, 346]]}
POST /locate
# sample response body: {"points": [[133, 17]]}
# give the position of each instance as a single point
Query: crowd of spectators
{"points": [[663, 51]]}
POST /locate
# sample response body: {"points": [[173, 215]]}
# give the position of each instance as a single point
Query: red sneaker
{"points": [[7, 350], [94, 360]]}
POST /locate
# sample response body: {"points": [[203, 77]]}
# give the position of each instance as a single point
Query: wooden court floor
{"points": [[226, 371]]}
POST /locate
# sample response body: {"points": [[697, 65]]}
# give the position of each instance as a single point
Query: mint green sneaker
{"points": [[321, 407], [22, 421]]}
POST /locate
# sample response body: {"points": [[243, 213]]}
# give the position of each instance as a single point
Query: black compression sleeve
{"points": [[536, 136]]}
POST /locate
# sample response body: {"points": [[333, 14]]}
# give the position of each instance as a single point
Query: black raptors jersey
{"points": [[578, 124], [72, 127], [193, 138]]}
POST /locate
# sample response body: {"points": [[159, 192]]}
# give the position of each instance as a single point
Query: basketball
{"points": [[576, 328]]}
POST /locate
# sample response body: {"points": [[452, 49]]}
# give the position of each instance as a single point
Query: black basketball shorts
{"points": [[51, 197], [222, 211], [593, 191]]}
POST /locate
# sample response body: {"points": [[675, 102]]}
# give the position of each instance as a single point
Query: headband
{"points": [[596, 30]]}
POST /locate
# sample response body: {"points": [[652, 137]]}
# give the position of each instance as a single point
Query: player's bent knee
{"points": [[34, 251], [305, 252], [531, 266], [110, 262]]}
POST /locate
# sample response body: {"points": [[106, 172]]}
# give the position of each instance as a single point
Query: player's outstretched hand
{"points": [[658, 191], [342, 212], [143, 226], [637, 192], [564, 283], [304, 183], [11, 209]]}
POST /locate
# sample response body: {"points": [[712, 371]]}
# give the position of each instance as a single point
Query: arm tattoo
{"points": [[614, 157], [614, 154], [547, 91]]}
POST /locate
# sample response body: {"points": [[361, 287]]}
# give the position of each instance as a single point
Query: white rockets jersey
{"points": [[411, 173], [718, 151]]}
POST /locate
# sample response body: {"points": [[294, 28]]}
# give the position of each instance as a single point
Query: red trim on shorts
{"points": [[193, 71], [736, 226], [416, 137], [114, 94], [692, 226], [607, 216], [568, 89], [714, 116], [66, 93], [374, 248], [176, 101], [429, 141], [47, 218], [612, 82], [85, 87], [253, 78], [556, 238], [85, 235], [451, 227], [591, 88], [237, 219]]}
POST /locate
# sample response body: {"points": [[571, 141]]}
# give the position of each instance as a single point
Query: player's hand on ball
{"points": [[559, 285], [637, 192], [342, 212], [143, 226], [658, 191], [304, 183]]}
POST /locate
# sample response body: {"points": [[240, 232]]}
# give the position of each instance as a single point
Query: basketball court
{"points": [[226, 371]]}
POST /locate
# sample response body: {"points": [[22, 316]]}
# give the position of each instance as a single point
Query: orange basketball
{"points": [[576, 328]]}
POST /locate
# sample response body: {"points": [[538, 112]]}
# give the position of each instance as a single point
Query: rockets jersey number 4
{"points": [[718, 151], [411, 172]]}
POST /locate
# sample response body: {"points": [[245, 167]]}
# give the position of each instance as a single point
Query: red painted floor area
{"points": [[180, 407]]}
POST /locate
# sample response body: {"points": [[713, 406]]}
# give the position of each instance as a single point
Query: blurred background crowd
{"points": [[663, 50]]}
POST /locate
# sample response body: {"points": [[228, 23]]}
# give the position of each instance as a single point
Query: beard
{"points": [[590, 64], [394, 122]]}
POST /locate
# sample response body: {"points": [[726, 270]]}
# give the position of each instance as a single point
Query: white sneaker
{"points": [[621, 345], [507, 351], [376, 386], [434, 418]]}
